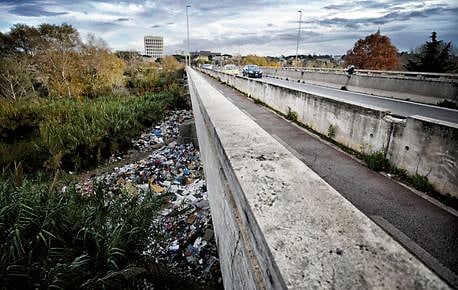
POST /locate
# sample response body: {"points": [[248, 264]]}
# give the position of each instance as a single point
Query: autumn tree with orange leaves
{"points": [[373, 52]]}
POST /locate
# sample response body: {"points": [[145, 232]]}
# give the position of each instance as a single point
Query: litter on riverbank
{"points": [[183, 238]]}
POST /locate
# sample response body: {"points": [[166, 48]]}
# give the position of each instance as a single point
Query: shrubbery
{"points": [[77, 134], [376, 161], [50, 239], [291, 115]]}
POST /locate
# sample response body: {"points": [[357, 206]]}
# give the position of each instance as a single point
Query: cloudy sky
{"points": [[264, 27]]}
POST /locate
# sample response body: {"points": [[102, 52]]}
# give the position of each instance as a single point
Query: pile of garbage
{"points": [[184, 239], [162, 133], [168, 129]]}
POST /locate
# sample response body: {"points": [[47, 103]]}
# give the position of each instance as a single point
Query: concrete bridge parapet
{"points": [[427, 88]]}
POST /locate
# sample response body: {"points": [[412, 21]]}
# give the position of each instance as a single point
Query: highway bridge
{"points": [[293, 211]]}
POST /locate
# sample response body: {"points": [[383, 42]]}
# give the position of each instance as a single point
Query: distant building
{"points": [[205, 53], [154, 46]]}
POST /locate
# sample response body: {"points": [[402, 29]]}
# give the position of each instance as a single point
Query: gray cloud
{"points": [[32, 10], [160, 25], [365, 4], [390, 17], [122, 19], [268, 37], [333, 32]]}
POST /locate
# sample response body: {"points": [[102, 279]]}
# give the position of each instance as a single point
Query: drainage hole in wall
{"points": [[407, 148]]}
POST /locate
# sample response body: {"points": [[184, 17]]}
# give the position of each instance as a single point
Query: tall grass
{"points": [[50, 239], [76, 134]]}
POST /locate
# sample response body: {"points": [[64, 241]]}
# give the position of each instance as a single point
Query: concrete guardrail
{"points": [[278, 225], [420, 87], [382, 73]]}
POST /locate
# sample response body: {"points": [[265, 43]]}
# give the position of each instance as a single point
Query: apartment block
{"points": [[154, 46]]}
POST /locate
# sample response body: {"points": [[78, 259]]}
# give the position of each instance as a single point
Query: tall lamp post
{"points": [[187, 26], [298, 33]]}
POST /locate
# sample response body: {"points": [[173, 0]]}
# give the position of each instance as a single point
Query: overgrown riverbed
{"points": [[143, 224]]}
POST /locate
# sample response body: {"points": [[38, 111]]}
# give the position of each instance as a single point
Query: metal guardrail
{"points": [[382, 73]]}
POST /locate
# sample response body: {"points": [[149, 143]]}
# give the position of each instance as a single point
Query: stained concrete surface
{"points": [[426, 225], [398, 107]]}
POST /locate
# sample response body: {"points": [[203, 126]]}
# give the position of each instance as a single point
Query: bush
{"points": [[376, 161], [291, 115], [50, 239], [332, 131], [77, 134], [258, 102], [421, 182]]}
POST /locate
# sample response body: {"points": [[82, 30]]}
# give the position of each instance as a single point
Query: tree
{"points": [[258, 60], [433, 56], [23, 40], [373, 52], [59, 62], [48, 53], [15, 81], [101, 71]]}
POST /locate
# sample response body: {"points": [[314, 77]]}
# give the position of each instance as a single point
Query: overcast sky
{"points": [[263, 27]]}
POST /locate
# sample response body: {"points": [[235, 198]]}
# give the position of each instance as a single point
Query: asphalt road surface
{"points": [[428, 231], [398, 107]]}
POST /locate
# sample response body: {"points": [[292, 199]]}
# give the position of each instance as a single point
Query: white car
{"points": [[231, 69]]}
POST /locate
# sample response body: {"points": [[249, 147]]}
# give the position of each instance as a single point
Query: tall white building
{"points": [[154, 46]]}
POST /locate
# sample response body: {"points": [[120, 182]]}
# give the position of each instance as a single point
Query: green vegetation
{"points": [[421, 183], [433, 56], [332, 131], [376, 161], [292, 115], [259, 60], [75, 135], [53, 239]]}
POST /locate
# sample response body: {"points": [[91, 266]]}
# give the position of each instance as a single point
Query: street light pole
{"points": [[187, 25], [298, 33]]}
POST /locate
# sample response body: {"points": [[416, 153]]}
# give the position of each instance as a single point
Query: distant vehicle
{"points": [[252, 71], [231, 69], [207, 66]]}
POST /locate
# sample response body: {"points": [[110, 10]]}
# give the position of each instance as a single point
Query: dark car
{"points": [[252, 71]]}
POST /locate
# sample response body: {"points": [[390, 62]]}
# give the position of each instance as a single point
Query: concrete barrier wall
{"points": [[427, 147], [367, 130], [421, 90], [278, 225]]}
